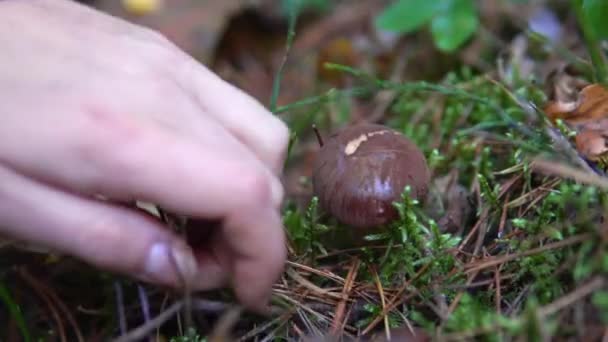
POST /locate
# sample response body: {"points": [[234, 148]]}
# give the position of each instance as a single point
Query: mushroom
{"points": [[361, 170]]}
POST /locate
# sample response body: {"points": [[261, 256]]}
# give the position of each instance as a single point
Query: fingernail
{"points": [[158, 266], [171, 264]]}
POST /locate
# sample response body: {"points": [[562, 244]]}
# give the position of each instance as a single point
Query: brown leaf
{"points": [[589, 105], [592, 143], [586, 111]]}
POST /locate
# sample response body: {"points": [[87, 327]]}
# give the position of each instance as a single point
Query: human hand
{"points": [[95, 108]]}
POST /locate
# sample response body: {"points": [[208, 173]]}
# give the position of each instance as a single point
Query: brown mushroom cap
{"points": [[362, 169]]}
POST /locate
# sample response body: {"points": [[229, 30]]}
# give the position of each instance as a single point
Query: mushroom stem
{"points": [[319, 138]]}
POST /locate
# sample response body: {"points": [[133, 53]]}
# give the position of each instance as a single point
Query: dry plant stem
{"points": [[182, 266], [120, 308], [545, 191], [518, 300], [566, 171], [397, 299], [272, 334], [145, 306], [483, 228], [482, 217], [221, 331], [208, 306], [454, 303], [162, 307], [339, 312], [53, 296], [503, 216], [309, 285], [538, 192], [310, 327], [483, 264], [562, 145], [328, 275], [478, 283], [345, 320], [297, 330], [387, 329], [42, 294], [353, 250], [263, 327], [318, 135], [144, 330], [498, 296], [582, 291], [305, 308]]}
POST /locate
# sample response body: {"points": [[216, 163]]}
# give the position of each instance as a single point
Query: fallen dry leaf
{"points": [[583, 107], [591, 143], [591, 104]]}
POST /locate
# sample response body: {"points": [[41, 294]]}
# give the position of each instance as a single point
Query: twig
{"points": [[456, 300], [518, 300], [328, 275], [309, 285], [262, 328], [500, 260], [350, 278], [482, 217], [383, 302], [498, 295], [145, 306], [120, 308], [396, 300], [221, 331], [145, 329], [305, 308], [566, 171], [37, 287], [55, 298], [595, 283]]}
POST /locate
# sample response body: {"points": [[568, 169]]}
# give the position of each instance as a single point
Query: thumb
{"points": [[108, 236]]}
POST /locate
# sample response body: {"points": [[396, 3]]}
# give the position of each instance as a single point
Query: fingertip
{"points": [[254, 277]]}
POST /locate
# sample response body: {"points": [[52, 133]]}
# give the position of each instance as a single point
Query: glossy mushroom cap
{"points": [[361, 170]]}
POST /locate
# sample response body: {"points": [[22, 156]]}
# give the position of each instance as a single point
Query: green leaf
{"points": [[454, 25], [405, 16], [596, 12]]}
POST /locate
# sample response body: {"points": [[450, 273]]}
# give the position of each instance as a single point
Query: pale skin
{"points": [[97, 110]]}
